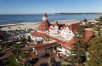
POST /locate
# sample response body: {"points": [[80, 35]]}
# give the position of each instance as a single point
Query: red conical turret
{"points": [[44, 26]]}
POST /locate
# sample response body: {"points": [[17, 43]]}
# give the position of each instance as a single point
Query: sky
{"points": [[49, 6]]}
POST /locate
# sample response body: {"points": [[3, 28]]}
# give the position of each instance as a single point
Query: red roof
{"points": [[44, 46], [40, 46], [69, 45], [66, 26], [88, 35], [74, 26], [44, 26], [65, 44], [38, 34]]}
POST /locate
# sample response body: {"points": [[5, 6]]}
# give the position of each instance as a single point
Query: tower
{"points": [[44, 25]]}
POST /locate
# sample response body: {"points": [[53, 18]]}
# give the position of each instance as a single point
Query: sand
{"points": [[20, 26], [28, 26]]}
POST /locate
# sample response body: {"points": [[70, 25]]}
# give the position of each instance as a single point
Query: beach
{"points": [[24, 26], [20, 27], [13, 22]]}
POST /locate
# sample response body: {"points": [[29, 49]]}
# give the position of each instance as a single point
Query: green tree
{"points": [[78, 49], [95, 46], [98, 28], [95, 52]]}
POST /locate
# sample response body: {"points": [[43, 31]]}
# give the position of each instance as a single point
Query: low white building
{"points": [[66, 33], [54, 31], [34, 38], [64, 51]]}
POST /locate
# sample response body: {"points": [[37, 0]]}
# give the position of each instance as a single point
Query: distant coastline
{"points": [[36, 18], [77, 13], [51, 13]]}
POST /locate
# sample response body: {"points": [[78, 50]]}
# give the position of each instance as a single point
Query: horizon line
{"points": [[54, 13]]}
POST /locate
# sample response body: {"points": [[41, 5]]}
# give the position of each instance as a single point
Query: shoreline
{"points": [[33, 25], [28, 23], [19, 27], [60, 21], [25, 26], [22, 23]]}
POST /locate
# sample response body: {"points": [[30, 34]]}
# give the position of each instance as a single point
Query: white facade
{"points": [[66, 34], [64, 51], [84, 23], [54, 31], [35, 39]]}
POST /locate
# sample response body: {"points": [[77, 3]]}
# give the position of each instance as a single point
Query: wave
{"points": [[21, 23], [71, 20], [29, 23]]}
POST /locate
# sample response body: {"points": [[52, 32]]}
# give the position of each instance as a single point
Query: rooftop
{"points": [[44, 25]]}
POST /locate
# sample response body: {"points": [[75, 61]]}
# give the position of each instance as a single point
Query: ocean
{"points": [[34, 18]]}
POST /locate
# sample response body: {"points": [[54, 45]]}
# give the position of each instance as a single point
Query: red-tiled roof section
{"points": [[88, 35], [66, 26], [44, 46], [74, 26], [65, 44], [57, 40], [41, 46], [69, 45], [44, 26], [38, 34]]}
